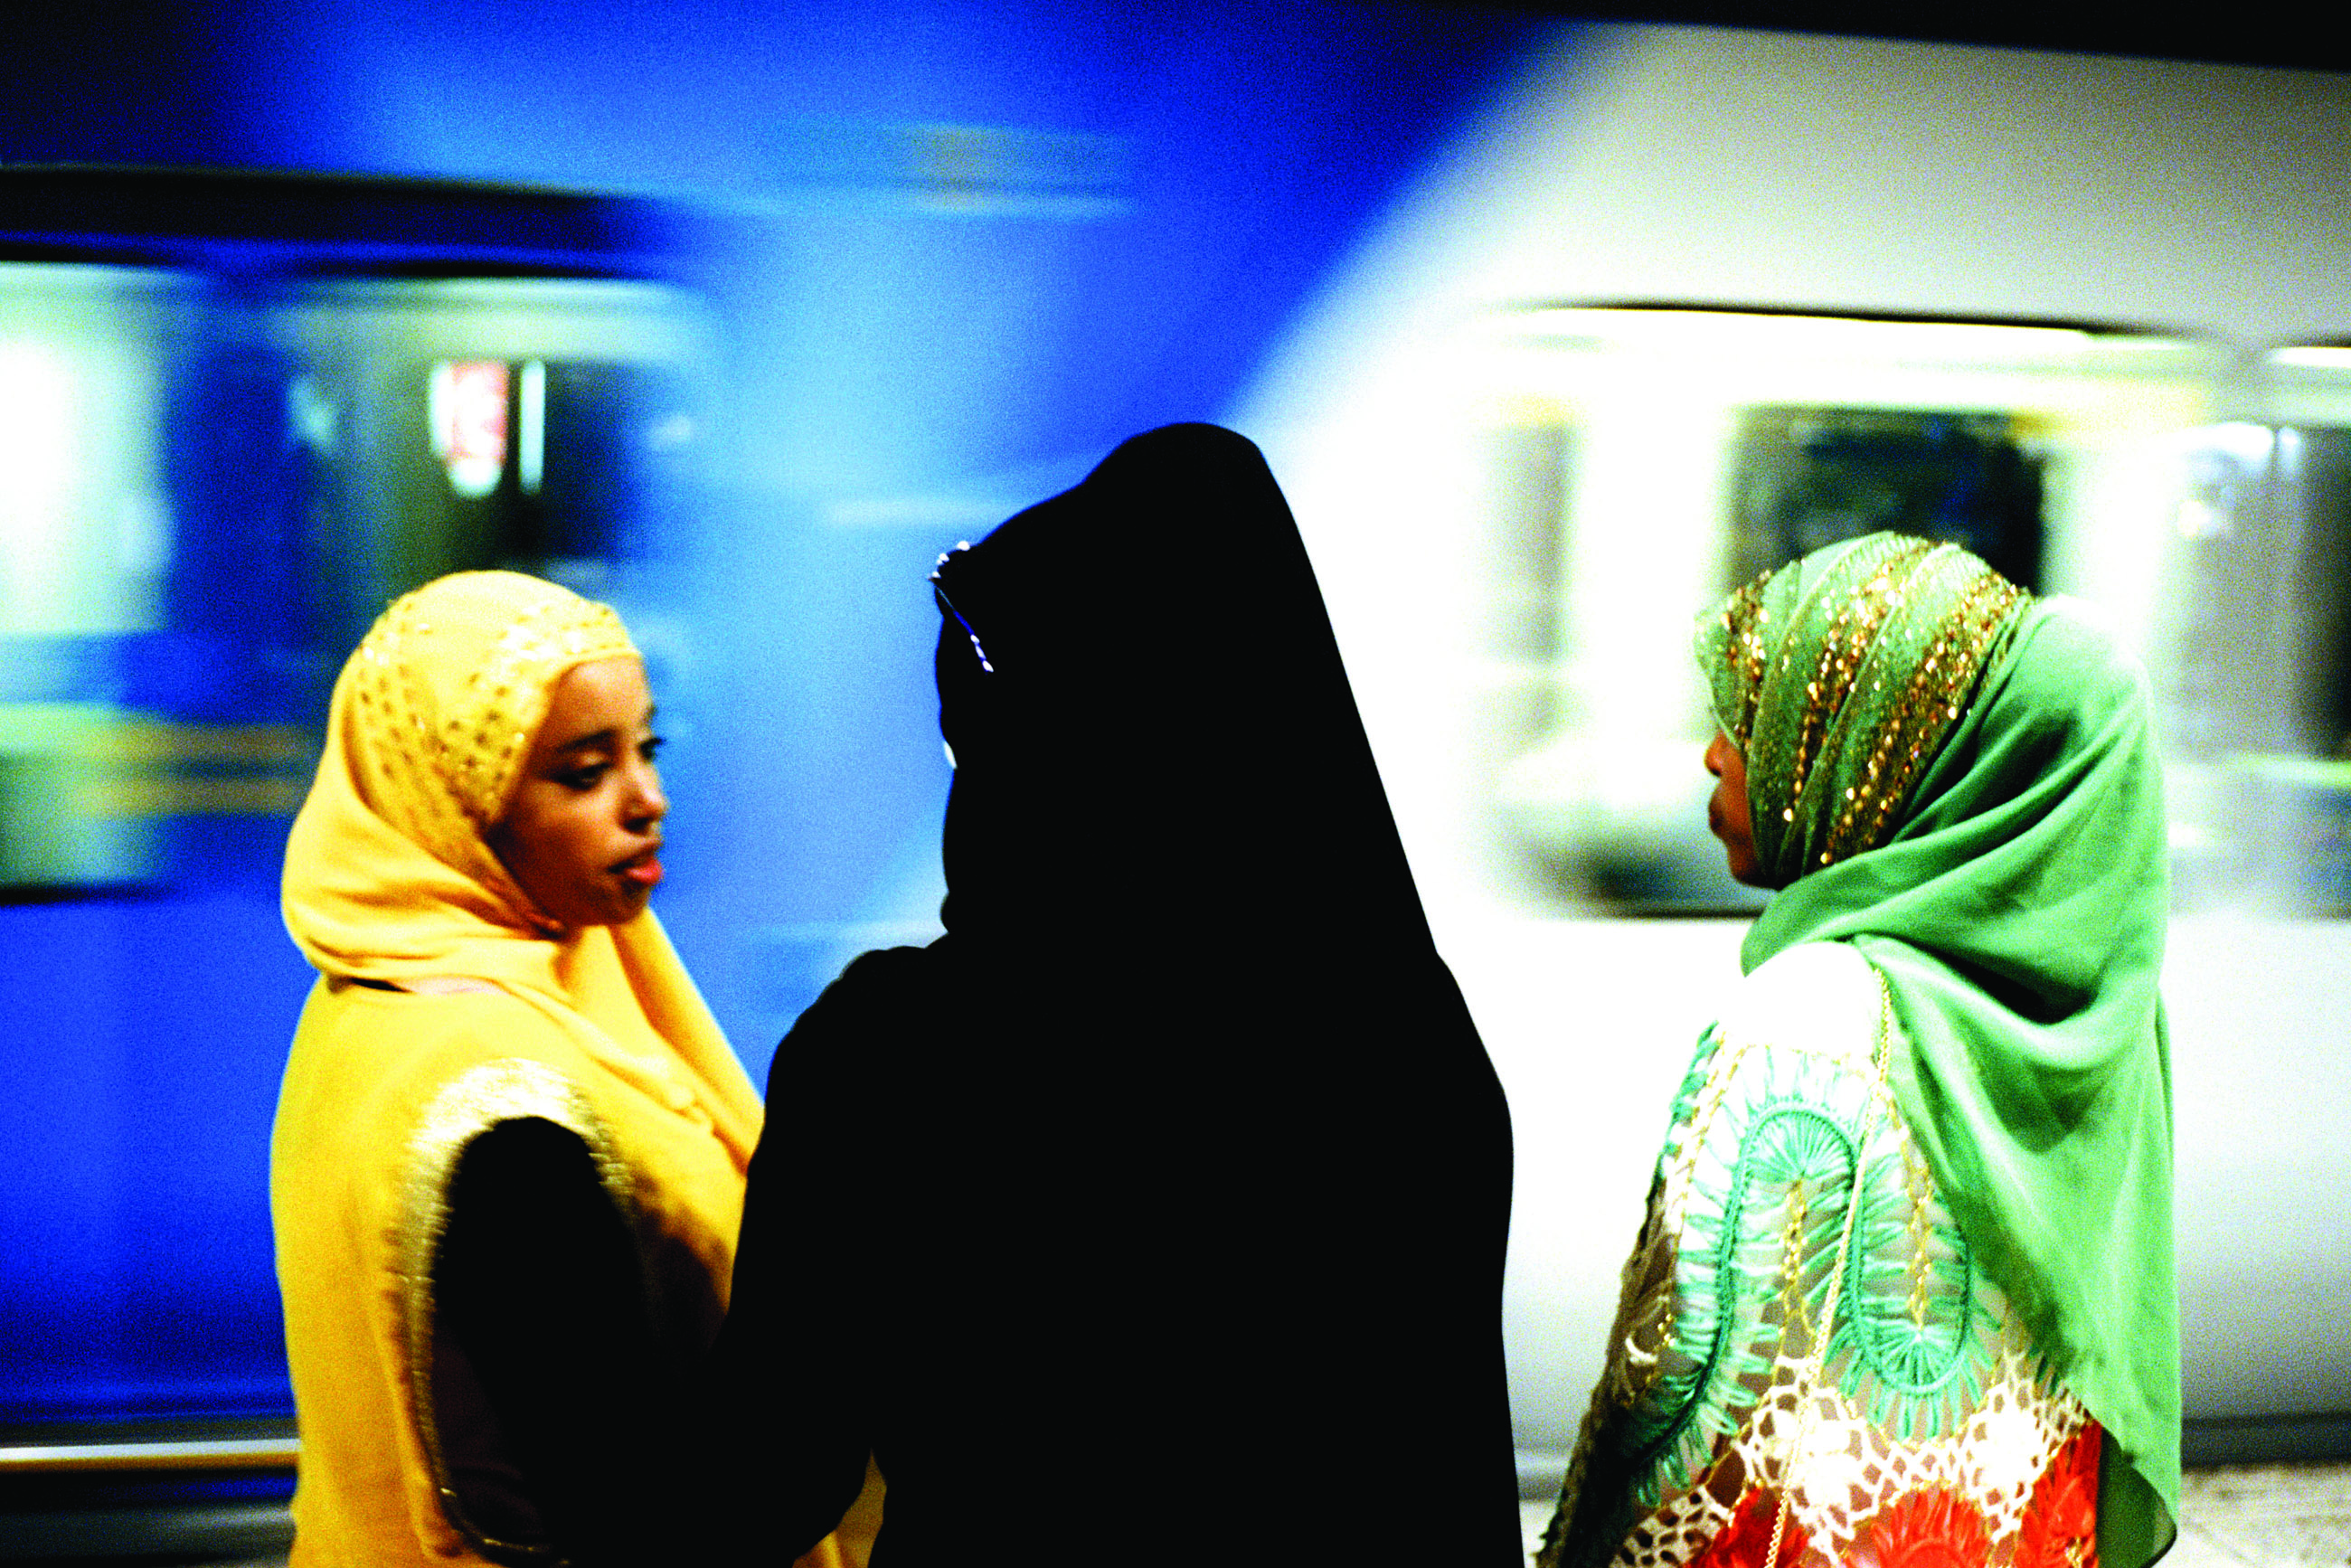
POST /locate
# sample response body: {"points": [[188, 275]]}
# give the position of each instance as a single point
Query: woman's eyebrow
{"points": [[609, 736]]}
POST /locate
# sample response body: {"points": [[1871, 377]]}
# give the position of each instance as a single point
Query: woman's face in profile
{"points": [[583, 833], [1727, 813]]}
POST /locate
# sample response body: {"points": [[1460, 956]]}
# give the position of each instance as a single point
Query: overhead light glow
{"points": [[2245, 442], [2313, 357], [530, 447]]}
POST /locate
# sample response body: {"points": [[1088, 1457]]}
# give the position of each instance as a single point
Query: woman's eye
{"points": [[581, 778], [649, 748]]}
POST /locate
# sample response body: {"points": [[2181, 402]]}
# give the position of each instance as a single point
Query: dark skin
{"points": [[1727, 813], [583, 835]]}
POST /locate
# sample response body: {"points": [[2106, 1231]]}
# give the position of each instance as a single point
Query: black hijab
{"points": [[1156, 1212]]}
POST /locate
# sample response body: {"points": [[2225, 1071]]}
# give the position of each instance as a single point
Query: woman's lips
{"points": [[644, 869]]}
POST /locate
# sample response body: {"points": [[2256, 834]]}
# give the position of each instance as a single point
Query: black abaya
{"points": [[1155, 1214]]}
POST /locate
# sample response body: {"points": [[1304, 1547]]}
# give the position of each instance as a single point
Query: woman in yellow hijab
{"points": [[508, 1160]]}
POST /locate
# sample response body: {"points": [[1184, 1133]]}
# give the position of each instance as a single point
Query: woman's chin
{"points": [[1739, 860]]}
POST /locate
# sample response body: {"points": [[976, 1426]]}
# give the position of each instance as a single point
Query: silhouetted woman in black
{"points": [[1155, 1213]]}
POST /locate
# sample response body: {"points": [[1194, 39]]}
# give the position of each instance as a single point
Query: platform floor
{"points": [[2269, 1516], [2232, 1516]]}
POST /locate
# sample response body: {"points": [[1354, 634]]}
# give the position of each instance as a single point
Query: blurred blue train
{"points": [[1551, 333]]}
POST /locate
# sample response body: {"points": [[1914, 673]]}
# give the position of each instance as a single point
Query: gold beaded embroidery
{"points": [[488, 733], [1840, 708], [1745, 622], [1926, 711], [1851, 636]]}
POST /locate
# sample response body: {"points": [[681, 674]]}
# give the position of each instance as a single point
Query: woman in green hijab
{"points": [[1905, 1294]]}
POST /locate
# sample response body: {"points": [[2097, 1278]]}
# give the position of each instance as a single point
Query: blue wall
{"points": [[958, 252]]}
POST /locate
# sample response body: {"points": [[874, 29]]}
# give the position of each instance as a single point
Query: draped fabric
{"points": [[597, 1034], [2015, 903], [1179, 1232]]}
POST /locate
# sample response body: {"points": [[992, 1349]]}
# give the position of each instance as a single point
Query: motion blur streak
{"points": [[931, 261]]}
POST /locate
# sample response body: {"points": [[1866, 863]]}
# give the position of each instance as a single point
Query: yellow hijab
{"points": [[387, 876]]}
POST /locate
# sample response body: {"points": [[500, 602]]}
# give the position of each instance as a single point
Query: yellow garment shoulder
{"points": [[384, 1091]]}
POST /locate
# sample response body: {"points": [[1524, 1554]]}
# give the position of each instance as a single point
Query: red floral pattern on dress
{"points": [[1934, 1528], [2061, 1523], [1746, 1540]]}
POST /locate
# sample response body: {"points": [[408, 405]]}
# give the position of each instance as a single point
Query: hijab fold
{"points": [[389, 878], [2015, 903]]}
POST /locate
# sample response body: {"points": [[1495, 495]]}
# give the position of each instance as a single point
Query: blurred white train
{"points": [[1688, 302]]}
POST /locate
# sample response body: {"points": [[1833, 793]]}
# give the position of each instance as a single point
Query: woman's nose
{"points": [[647, 804]]}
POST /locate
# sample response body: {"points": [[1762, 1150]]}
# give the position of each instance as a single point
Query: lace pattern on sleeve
{"points": [[1932, 1417]]}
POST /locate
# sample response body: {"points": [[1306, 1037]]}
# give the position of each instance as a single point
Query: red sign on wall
{"points": [[468, 411]]}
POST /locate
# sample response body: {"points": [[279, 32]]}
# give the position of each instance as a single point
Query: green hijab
{"points": [[1998, 853]]}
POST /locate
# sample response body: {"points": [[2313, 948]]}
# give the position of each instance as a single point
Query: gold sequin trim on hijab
{"points": [[1838, 676]]}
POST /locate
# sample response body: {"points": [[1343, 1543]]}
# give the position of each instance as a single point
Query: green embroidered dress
{"points": [[1935, 1422], [1951, 1013]]}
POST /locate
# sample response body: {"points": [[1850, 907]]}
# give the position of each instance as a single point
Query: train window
{"points": [[540, 425], [1649, 459], [548, 466], [2254, 662], [1804, 478], [466, 403], [1532, 454], [2316, 478]]}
